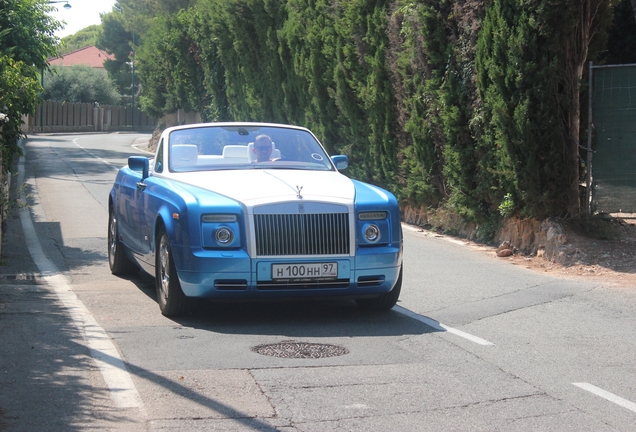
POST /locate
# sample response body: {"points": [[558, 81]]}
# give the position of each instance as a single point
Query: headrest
{"points": [[235, 151], [184, 155]]}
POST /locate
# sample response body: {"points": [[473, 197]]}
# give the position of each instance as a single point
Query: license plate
{"points": [[304, 271]]}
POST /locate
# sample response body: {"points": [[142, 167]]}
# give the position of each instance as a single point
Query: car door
{"points": [[147, 209], [127, 210]]}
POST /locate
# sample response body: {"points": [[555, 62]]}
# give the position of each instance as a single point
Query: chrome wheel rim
{"points": [[164, 263]]}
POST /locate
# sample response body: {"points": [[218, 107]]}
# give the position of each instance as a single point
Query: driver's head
{"points": [[262, 148]]}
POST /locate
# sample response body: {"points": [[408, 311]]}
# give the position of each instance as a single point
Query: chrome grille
{"points": [[302, 234]]}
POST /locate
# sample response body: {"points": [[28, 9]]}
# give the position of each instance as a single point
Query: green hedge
{"points": [[463, 104]]}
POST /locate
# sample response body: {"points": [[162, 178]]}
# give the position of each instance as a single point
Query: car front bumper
{"points": [[234, 275]]}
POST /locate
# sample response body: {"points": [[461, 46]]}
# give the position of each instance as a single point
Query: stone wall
{"points": [[547, 239], [439, 219]]}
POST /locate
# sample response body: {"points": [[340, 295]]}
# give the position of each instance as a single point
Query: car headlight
{"points": [[373, 228], [224, 236], [220, 230], [372, 233]]}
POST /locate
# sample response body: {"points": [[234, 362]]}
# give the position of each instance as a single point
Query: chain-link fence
{"points": [[614, 119]]}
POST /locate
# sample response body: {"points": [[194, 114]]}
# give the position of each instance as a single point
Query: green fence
{"points": [[614, 129]]}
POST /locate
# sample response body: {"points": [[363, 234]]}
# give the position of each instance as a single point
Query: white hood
{"points": [[253, 187]]}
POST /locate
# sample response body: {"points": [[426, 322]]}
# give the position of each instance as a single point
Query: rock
{"points": [[504, 253], [504, 245]]}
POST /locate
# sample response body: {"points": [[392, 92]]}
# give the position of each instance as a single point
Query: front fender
{"points": [[163, 209], [374, 198], [178, 209]]}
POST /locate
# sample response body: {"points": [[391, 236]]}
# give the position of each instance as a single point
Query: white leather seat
{"points": [[184, 155], [235, 152]]}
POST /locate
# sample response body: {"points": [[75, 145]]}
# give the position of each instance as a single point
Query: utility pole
{"points": [[133, 81]]}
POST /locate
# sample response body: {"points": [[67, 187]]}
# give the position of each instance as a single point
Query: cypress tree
{"points": [[248, 48], [530, 62], [308, 36], [363, 91], [169, 69], [519, 79]]}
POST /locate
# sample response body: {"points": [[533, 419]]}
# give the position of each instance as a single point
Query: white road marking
{"points": [[122, 389], [607, 395], [441, 327], [104, 161]]}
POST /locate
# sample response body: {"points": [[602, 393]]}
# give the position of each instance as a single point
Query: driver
{"points": [[262, 148]]}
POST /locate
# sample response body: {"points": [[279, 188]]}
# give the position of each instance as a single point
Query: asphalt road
{"points": [[474, 344]]}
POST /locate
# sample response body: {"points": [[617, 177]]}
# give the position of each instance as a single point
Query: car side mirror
{"points": [[139, 164], [340, 161]]}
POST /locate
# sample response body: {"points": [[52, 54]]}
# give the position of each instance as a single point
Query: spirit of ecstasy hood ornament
{"points": [[298, 189]]}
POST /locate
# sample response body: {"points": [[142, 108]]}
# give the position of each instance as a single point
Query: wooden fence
{"points": [[84, 117]]}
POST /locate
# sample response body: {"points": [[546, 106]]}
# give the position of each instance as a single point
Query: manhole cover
{"points": [[23, 278], [300, 350]]}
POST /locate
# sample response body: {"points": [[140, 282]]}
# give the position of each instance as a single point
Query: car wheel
{"points": [[170, 297], [384, 301], [119, 263]]}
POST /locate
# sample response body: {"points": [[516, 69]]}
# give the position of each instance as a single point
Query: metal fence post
{"points": [[588, 162]]}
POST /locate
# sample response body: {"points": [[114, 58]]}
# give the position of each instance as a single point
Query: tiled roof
{"points": [[89, 56]]}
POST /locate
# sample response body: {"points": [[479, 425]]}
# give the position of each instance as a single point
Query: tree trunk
{"points": [[577, 48], [574, 199]]}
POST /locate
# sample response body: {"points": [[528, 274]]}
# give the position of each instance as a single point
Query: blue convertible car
{"points": [[253, 211]]}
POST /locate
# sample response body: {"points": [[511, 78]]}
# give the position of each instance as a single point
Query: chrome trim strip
{"points": [[370, 282]]}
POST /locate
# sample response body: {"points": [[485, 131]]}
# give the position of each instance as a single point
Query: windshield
{"points": [[245, 147]]}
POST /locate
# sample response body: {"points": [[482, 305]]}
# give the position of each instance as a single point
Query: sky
{"points": [[82, 13]]}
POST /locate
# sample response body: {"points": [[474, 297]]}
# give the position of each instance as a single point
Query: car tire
{"points": [[118, 262], [383, 302], [170, 297]]}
